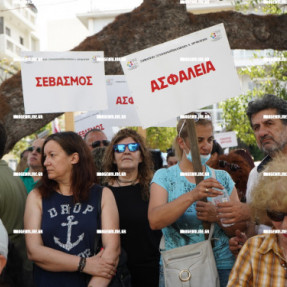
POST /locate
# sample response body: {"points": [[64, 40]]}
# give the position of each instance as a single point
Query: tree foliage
{"points": [[160, 138], [267, 79], [265, 6]]}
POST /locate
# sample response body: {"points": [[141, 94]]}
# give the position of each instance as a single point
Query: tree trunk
{"points": [[152, 23]]}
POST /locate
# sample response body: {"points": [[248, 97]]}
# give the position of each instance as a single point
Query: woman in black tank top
{"points": [[63, 207]]}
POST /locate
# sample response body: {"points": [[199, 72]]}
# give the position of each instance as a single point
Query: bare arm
{"points": [[162, 213], [111, 242], [49, 258]]}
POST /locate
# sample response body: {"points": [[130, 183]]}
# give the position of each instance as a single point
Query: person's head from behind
{"points": [[95, 138], [269, 196], [171, 158], [270, 133], [204, 130], [128, 152], [3, 246], [35, 154], [3, 140], [239, 170], [66, 158], [216, 151]]}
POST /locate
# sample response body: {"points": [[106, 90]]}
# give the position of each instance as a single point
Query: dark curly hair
{"points": [[267, 102], [83, 173], [145, 168]]}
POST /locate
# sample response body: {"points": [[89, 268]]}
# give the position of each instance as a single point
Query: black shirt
{"points": [[140, 242]]}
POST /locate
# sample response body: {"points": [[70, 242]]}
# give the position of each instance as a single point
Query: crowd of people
{"points": [[80, 228]]}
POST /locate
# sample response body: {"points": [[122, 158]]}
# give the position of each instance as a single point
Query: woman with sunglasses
{"points": [[262, 260], [34, 168], [175, 200], [128, 156], [64, 207]]}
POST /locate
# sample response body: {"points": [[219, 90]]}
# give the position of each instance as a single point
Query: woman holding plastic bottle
{"points": [[175, 200]]}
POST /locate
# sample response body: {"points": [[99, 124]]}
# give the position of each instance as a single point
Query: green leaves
{"points": [[268, 79]]}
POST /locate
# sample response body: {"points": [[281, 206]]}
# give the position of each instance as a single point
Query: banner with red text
{"points": [[182, 75], [227, 139], [55, 82], [121, 110]]}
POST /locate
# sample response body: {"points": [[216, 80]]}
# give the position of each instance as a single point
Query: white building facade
{"points": [[17, 33]]}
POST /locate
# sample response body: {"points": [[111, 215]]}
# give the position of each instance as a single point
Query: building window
{"points": [[8, 31], [10, 46], [22, 41]]}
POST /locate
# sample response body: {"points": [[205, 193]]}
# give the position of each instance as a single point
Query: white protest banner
{"points": [[227, 139], [63, 82], [121, 110], [87, 121], [182, 75]]}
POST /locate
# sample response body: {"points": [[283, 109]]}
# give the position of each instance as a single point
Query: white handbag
{"points": [[191, 265]]}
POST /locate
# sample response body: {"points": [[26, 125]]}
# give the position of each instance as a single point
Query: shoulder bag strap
{"points": [[98, 240]]}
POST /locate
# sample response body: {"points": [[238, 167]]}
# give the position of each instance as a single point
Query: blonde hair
{"points": [[182, 132], [270, 192]]}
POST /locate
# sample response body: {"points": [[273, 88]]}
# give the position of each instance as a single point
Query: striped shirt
{"points": [[259, 263]]}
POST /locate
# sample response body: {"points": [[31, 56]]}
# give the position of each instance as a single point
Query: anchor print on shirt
{"points": [[69, 245]]}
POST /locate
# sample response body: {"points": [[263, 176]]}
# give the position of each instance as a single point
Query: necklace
{"points": [[132, 182]]}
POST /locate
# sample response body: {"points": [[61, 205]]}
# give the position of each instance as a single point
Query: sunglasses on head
{"points": [[122, 147], [276, 215], [232, 166], [32, 148], [98, 143], [200, 116], [196, 117]]}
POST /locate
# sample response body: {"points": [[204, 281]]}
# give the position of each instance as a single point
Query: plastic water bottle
{"points": [[224, 197]]}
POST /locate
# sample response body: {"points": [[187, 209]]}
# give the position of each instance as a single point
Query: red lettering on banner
{"points": [[52, 81], [38, 79], [163, 86], [195, 71], [63, 81], [154, 86], [190, 71], [45, 82], [125, 102], [172, 79], [89, 82], [182, 76], [59, 81], [198, 70], [74, 80], [209, 66], [82, 81], [66, 81], [203, 68], [119, 100], [83, 132]]}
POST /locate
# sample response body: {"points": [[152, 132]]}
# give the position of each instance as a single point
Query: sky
{"points": [[49, 10], [55, 9]]}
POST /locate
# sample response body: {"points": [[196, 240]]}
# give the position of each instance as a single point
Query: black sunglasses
{"points": [[122, 147], [276, 215], [232, 166], [32, 148], [98, 143]]}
